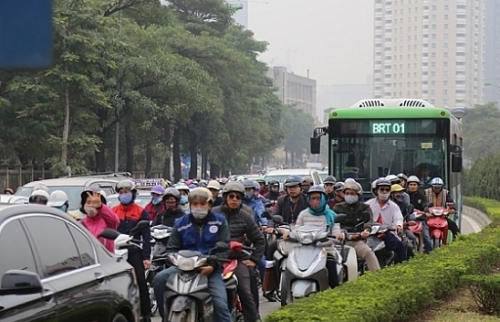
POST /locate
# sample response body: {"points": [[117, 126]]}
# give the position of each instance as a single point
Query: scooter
{"points": [[376, 243], [187, 297], [438, 225], [417, 229], [124, 241], [281, 252]]}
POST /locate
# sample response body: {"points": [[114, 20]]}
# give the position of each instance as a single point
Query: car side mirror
{"points": [[221, 246], [109, 234], [19, 282], [277, 219], [340, 218]]}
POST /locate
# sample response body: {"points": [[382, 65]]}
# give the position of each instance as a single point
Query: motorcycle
{"points": [[376, 243], [124, 241], [417, 230], [160, 235], [281, 252], [187, 297], [354, 266], [438, 225]]}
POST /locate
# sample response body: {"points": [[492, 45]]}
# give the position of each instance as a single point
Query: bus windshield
{"points": [[367, 149]]}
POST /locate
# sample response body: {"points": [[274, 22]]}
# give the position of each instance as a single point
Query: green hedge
{"points": [[399, 292]]}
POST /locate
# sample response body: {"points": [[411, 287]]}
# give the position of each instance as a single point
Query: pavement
{"points": [[469, 225]]}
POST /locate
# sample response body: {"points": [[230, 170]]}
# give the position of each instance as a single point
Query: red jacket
{"points": [[105, 218], [150, 208]]}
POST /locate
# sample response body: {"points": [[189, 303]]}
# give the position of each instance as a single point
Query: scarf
{"points": [[323, 210]]}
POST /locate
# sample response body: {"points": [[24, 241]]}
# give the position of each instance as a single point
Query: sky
{"points": [[333, 39]]}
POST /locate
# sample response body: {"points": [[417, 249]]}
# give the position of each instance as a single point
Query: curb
{"points": [[478, 216]]}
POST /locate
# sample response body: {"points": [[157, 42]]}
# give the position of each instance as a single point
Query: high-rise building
{"points": [[294, 90], [241, 11], [492, 52], [430, 49]]}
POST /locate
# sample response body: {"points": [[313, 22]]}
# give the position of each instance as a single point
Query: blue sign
{"points": [[25, 34]]}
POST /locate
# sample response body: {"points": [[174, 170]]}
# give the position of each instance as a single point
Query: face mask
{"points": [[125, 198], [63, 208], [305, 189], [351, 199], [155, 200], [91, 211], [184, 199], [400, 198], [199, 213], [248, 195], [383, 196]]}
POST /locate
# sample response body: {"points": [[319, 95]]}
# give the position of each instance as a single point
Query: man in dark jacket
{"points": [[241, 224], [199, 230], [172, 211], [214, 187], [130, 214], [290, 205], [419, 201]]}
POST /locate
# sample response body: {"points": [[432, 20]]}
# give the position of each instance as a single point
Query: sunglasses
{"points": [[234, 196], [384, 189]]}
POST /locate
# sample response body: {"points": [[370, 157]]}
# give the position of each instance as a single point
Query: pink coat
{"points": [[105, 218]]}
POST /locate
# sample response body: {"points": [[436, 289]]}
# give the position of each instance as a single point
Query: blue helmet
{"points": [[292, 181], [248, 184]]}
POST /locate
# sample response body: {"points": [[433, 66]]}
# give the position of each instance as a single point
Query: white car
{"points": [[281, 175]]}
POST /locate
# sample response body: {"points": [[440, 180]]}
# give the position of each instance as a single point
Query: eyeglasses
{"points": [[234, 196], [384, 189], [41, 200]]}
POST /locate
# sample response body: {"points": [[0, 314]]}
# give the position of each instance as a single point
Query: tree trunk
{"points": [[215, 170], [167, 140], [286, 157], [65, 134], [100, 155], [292, 156], [130, 147], [149, 161], [193, 152], [176, 154]]}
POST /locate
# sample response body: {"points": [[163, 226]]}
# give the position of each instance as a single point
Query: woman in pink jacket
{"points": [[98, 217]]}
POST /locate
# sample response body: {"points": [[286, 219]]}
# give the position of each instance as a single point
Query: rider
{"points": [[338, 190], [253, 202], [155, 206], [264, 189], [403, 179], [319, 214], [329, 184], [307, 182], [406, 210], [214, 187], [130, 214], [396, 180], [290, 205], [59, 200], [386, 212], [419, 202], [9, 191], [439, 197], [199, 230], [170, 201], [39, 197], [274, 190], [353, 223], [241, 225], [184, 191]]}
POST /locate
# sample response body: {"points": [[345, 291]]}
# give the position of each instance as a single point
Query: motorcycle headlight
{"points": [[186, 264], [160, 233], [305, 237], [437, 212]]}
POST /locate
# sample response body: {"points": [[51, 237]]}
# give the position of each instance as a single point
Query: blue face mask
{"points": [[125, 198], [184, 199], [400, 198], [63, 208], [155, 200]]}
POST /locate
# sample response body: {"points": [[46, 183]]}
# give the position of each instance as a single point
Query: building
{"points": [[241, 13], [430, 49], [492, 52], [295, 90]]}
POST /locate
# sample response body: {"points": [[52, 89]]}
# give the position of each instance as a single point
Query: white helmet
{"points": [[182, 186], [413, 179], [57, 199], [437, 182]]}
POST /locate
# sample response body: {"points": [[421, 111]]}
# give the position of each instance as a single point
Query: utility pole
{"points": [[117, 115]]}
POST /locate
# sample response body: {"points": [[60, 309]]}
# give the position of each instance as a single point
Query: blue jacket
{"points": [[201, 237], [258, 208]]}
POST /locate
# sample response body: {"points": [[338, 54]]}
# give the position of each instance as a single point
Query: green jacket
{"points": [[354, 218]]}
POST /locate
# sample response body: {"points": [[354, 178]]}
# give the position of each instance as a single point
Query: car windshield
{"points": [[281, 177], [141, 199], [73, 193]]}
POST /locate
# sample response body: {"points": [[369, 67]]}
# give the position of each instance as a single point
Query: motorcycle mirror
{"points": [[277, 219], [411, 208], [140, 225], [340, 218], [109, 234]]}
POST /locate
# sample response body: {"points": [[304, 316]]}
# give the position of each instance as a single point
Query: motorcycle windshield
{"points": [[305, 256]]}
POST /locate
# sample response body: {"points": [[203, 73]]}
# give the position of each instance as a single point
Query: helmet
{"points": [[414, 179], [39, 196], [352, 185], [182, 186], [57, 199], [316, 188], [437, 182], [213, 184], [339, 186], [248, 184], [374, 187], [393, 179], [203, 183], [307, 179], [261, 180], [293, 181], [233, 186], [92, 188], [40, 186], [126, 184], [158, 189], [191, 186], [171, 192], [383, 182], [402, 176], [256, 185], [274, 183], [396, 188], [330, 179], [202, 194]]}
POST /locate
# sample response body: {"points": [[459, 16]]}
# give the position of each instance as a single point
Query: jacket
{"points": [[168, 217], [288, 210], [440, 199], [418, 200], [129, 216], [154, 210], [257, 208], [389, 214], [217, 201], [188, 234], [353, 222], [105, 218], [240, 224]]}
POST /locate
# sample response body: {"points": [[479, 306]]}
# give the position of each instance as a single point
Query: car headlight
{"points": [[186, 264], [160, 233], [304, 237]]}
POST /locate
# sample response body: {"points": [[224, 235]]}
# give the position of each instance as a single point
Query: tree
{"points": [[297, 127], [478, 141]]}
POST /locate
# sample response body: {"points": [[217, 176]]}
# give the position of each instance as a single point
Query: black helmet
{"points": [[292, 181], [172, 192], [330, 179], [274, 183]]}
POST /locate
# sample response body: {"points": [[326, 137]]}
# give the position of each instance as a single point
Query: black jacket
{"points": [[418, 200], [168, 217], [241, 223], [288, 210], [354, 220]]}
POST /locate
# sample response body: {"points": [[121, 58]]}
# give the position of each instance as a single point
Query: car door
{"points": [[315, 176], [69, 264], [17, 253]]}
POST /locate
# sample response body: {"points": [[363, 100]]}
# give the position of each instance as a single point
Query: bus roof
{"points": [[389, 112]]}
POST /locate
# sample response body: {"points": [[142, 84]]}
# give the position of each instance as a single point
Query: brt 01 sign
{"points": [[384, 127]]}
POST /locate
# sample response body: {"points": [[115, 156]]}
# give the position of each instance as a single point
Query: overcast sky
{"points": [[331, 38]]}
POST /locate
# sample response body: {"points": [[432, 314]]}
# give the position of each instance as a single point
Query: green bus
{"points": [[377, 137]]}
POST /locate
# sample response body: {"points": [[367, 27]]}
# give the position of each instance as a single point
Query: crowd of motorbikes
{"points": [[299, 266]]}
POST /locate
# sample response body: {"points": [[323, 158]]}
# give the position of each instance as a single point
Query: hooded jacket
{"points": [[168, 217], [257, 208], [105, 218]]}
